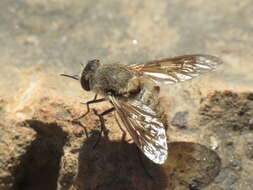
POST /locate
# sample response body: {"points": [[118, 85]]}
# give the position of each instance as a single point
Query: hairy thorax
{"points": [[115, 79]]}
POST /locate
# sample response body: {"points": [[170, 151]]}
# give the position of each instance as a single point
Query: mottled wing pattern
{"points": [[145, 127], [177, 69]]}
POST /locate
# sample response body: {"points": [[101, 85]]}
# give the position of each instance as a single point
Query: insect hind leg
{"points": [[143, 165], [123, 138]]}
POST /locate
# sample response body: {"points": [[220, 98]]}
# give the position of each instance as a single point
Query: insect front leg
{"points": [[95, 100]]}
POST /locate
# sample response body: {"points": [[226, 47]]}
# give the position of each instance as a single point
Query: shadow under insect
{"points": [[115, 165], [119, 165]]}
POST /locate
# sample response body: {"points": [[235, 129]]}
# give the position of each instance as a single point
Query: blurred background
{"points": [[59, 35]]}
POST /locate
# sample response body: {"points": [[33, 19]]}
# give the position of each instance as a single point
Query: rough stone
{"points": [[15, 141]]}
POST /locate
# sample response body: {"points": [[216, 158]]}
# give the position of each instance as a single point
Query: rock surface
{"points": [[211, 117]]}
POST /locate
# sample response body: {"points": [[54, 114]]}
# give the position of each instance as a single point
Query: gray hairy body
{"points": [[115, 79]]}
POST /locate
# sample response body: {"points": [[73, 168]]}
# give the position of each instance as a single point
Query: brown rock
{"points": [[15, 140]]}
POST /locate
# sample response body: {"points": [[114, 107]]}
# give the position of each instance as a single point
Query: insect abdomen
{"points": [[150, 97]]}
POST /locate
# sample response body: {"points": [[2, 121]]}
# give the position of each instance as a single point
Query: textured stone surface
{"points": [[211, 117], [15, 139]]}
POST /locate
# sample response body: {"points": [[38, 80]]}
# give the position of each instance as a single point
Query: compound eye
{"points": [[85, 83], [88, 73]]}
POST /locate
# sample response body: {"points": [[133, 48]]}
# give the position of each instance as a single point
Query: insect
{"points": [[133, 92]]}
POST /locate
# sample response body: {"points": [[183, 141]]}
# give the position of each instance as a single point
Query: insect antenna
{"points": [[82, 65], [76, 77]]}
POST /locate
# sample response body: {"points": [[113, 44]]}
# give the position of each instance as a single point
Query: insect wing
{"points": [[145, 127], [177, 69]]}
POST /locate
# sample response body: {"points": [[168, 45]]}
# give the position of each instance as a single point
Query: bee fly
{"points": [[133, 91]]}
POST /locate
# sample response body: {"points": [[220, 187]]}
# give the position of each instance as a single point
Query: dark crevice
{"points": [[39, 167]]}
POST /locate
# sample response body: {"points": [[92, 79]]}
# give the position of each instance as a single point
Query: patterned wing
{"points": [[177, 69], [145, 127]]}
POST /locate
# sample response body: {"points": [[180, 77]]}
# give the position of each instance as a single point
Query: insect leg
{"points": [[143, 165], [122, 130], [95, 100], [102, 121], [107, 111], [83, 66], [77, 122]]}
